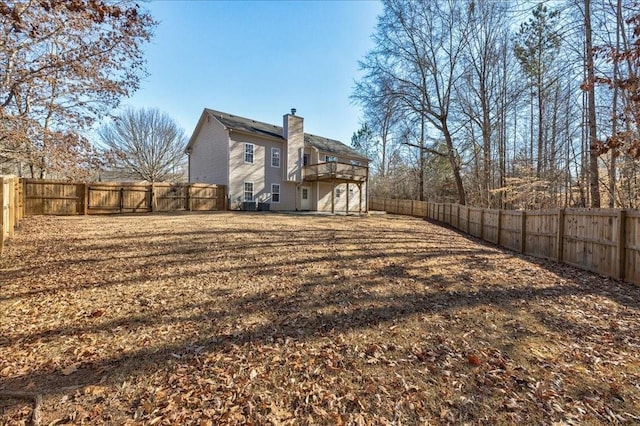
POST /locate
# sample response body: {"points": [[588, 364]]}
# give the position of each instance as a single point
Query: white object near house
{"points": [[280, 168]]}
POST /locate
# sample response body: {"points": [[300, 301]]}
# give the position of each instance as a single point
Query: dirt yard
{"points": [[228, 318]]}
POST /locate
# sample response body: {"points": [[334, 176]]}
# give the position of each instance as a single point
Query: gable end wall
{"points": [[208, 161]]}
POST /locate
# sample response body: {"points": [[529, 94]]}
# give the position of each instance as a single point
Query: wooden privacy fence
{"points": [[605, 241], [43, 197], [11, 211]]}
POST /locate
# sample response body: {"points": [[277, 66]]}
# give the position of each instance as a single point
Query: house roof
{"points": [[265, 129]]}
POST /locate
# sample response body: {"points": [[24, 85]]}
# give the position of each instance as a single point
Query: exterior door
{"points": [[305, 198]]}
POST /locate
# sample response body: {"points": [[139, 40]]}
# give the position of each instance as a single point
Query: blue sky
{"points": [[258, 59]]}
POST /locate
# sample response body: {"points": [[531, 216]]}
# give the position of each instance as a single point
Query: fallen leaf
{"points": [[70, 369], [474, 360]]}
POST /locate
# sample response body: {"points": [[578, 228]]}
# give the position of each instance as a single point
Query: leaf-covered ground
{"points": [[228, 318]]}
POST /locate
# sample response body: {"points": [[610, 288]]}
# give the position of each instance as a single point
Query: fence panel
{"points": [[404, 207], [170, 197], [105, 198], [631, 260], [207, 197], [463, 219], [376, 204], [475, 222], [51, 197], [589, 240], [510, 229], [490, 231], [420, 208], [542, 234]]}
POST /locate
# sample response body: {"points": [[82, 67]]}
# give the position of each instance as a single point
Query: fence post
{"points": [[2, 224], [412, 214], [84, 206], [622, 219], [23, 210], [16, 198], [189, 202], [482, 224], [121, 199], [152, 197], [560, 236], [499, 230], [12, 216], [468, 219], [523, 231]]}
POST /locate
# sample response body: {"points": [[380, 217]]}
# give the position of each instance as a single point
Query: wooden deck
{"points": [[333, 171]]}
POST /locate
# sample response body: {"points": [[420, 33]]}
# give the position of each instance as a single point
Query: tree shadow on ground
{"points": [[367, 280]]}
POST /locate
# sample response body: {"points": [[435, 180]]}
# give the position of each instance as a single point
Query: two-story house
{"points": [[282, 168]]}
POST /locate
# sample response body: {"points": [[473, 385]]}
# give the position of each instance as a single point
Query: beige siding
{"points": [[260, 172], [208, 159], [322, 155]]}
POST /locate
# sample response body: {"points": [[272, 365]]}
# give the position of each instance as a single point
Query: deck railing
{"points": [[334, 170]]}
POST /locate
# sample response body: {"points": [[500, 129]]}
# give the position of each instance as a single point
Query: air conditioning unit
{"points": [[249, 206]]}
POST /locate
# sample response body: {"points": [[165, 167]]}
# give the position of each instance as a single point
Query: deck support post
{"points": [[333, 196], [347, 198]]}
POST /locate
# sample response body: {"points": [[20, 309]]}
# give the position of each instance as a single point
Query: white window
{"points": [[248, 191], [275, 157], [275, 193], [331, 159], [248, 153]]}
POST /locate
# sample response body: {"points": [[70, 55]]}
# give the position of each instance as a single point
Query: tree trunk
{"points": [[539, 166], [486, 145], [594, 188], [614, 110], [422, 157], [455, 165]]}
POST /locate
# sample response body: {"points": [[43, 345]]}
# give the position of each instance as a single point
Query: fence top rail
{"points": [[589, 212], [48, 182], [540, 212], [115, 184], [545, 212]]}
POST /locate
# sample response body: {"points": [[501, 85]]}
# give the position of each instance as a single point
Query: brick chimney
{"points": [[293, 133]]}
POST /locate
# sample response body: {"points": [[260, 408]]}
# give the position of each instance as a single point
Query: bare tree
{"points": [[145, 144], [418, 48], [65, 64], [375, 94], [481, 96]]}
